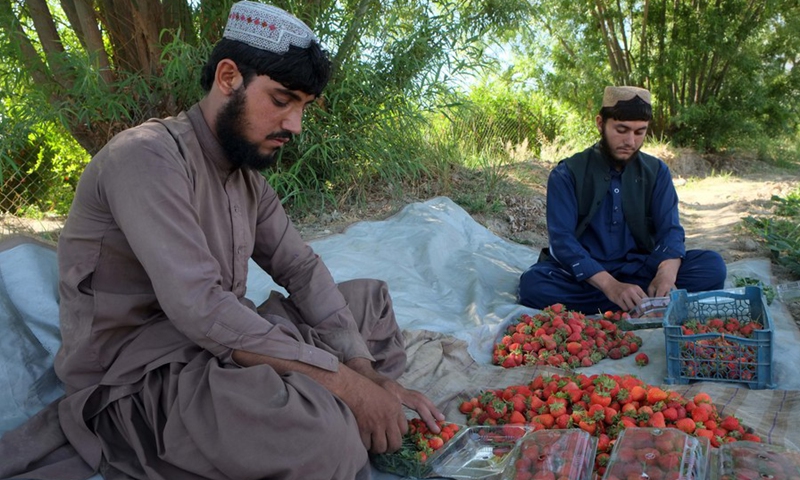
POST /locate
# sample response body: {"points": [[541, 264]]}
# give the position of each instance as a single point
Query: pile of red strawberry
{"points": [[731, 326], [563, 338], [602, 405], [423, 441], [722, 356]]}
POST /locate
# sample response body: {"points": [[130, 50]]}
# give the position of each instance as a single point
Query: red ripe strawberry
{"points": [[615, 353], [573, 348], [701, 397], [510, 362], [669, 461], [670, 414], [589, 426], [655, 395], [610, 415], [518, 338], [657, 420], [497, 409], [517, 418], [686, 425], [564, 421], [466, 406], [600, 398], [730, 423], [701, 412], [751, 437], [638, 393], [628, 422], [557, 406], [545, 419], [435, 443], [704, 432], [642, 359]]}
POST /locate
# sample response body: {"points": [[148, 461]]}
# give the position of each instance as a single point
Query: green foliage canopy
{"points": [[719, 70], [102, 66]]}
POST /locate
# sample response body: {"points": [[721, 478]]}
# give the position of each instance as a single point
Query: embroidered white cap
{"points": [[266, 27], [612, 95]]}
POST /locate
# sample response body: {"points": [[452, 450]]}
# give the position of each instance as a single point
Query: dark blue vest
{"points": [[590, 170]]}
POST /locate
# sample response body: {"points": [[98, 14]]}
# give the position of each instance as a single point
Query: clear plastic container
{"points": [[648, 314], [658, 453], [554, 453], [480, 452], [757, 460], [475, 453], [789, 292]]}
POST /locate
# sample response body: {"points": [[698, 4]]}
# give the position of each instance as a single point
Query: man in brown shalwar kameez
{"points": [[170, 371]]}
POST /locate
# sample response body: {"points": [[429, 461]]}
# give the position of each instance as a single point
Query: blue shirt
{"points": [[607, 243]]}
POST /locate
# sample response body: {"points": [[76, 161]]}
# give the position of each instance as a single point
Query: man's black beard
{"points": [[617, 163], [240, 152]]}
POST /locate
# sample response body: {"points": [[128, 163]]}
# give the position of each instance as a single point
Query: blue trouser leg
{"points": [[702, 270], [546, 283]]}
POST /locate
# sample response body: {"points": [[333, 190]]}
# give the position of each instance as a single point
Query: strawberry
{"points": [[686, 425], [557, 406], [600, 398], [642, 359], [545, 419], [702, 397], [517, 418], [730, 423], [638, 393], [655, 395], [496, 409], [657, 420], [466, 406]]}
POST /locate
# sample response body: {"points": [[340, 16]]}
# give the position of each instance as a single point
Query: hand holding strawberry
{"points": [[418, 444]]}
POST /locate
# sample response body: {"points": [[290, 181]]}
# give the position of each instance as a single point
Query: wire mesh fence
{"points": [[28, 202]]}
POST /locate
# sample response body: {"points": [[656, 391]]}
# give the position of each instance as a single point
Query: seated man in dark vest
{"points": [[612, 220]]}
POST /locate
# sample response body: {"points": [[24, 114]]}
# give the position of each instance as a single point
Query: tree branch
{"points": [[36, 67], [50, 41], [92, 40], [351, 37]]}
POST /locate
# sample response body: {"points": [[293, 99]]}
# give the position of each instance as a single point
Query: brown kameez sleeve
{"points": [[280, 251]]}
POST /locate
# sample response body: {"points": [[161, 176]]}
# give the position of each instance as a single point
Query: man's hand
{"points": [[412, 399], [665, 278], [379, 412], [626, 295]]}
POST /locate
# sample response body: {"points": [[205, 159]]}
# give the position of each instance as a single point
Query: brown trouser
{"points": [[207, 420]]}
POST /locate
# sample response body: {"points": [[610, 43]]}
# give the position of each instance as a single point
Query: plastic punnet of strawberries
{"points": [[419, 443], [563, 338], [602, 405]]}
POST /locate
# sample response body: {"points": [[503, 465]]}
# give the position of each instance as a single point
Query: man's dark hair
{"points": [[305, 69], [628, 110]]}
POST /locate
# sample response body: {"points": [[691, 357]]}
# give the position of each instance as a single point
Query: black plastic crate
{"points": [[712, 356]]}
